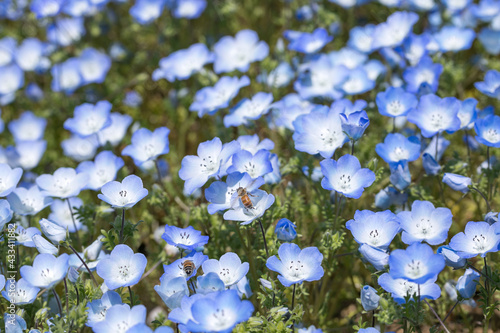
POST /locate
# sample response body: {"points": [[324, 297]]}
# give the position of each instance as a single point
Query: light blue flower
{"points": [[279, 77], [189, 9], [102, 170], [285, 230], [229, 268], [485, 10], [30, 55], [424, 73], [80, 148], [395, 102], [416, 46], [25, 236], [390, 196], [115, 132], [400, 176], [451, 257], [44, 246], [54, 232], [357, 82], [261, 201], [11, 79], [66, 76], [491, 84], [176, 269], [256, 165], [125, 194], [451, 38], [28, 201], [27, 127], [93, 65], [14, 323], [392, 32], [354, 124], [488, 131], [346, 176], [89, 119], [66, 30], [146, 11], [96, 310], [46, 8], [5, 213], [172, 290], [286, 110], [61, 214], [20, 292], [249, 109], [123, 268], [120, 317], [296, 265], [188, 239], [361, 38], [467, 283], [9, 178], [236, 53], [46, 270], [477, 238], [377, 257], [401, 288], [467, 113], [397, 147], [375, 229], [64, 183], [253, 144], [457, 182], [305, 42], [441, 145], [348, 57], [209, 283], [369, 298], [490, 39], [147, 145]]}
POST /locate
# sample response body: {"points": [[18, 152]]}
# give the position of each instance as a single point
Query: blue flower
{"points": [[346, 176], [61, 215], [66, 30], [390, 196], [9, 178], [467, 283], [305, 42], [361, 38], [296, 265], [229, 268], [425, 223], [368, 330], [252, 143], [46, 270], [80, 148], [261, 201], [46, 8], [488, 131], [11, 79], [89, 119], [147, 145], [188, 239], [491, 84], [441, 146], [451, 257], [180, 65], [14, 323], [27, 127], [54, 232], [28, 201], [189, 9], [424, 73], [392, 32], [146, 11], [395, 102], [172, 290], [357, 82], [354, 124], [64, 183], [285, 230], [31, 55], [477, 238], [237, 53], [490, 39], [467, 113], [286, 110], [256, 165], [44, 246], [176, 269], [451, 38], [457, 182], [66, 76], [120, 317], [279, 77], [310, 329], [369, 298], [319, 132], [96, 310], [485, 10], [416, 46], [5, 213], [115, 132], [435, 115], [102, 170], [400, 175], [125, 194], [123, 268], [375, 229], [397, 147], [209, 100], [209, 283], [249, 109], [417, 263], [401, 288], [25, 236], [94, 65], [377, 257], [20, 292]]}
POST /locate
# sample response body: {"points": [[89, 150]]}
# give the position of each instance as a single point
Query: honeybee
{"points": [[242, 194], [188, 267]]}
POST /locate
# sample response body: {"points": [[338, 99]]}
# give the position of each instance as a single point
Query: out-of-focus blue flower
{"points": [[189, 9], [278, 77], [261, 201], [467, 113], [132, 99], [395, 102], [80, 148], [20, 292], [377, 257], [209, 283], [94, 65], [397, 147], [467, 283], [64, 183], [349, 58], [361, 38], [146, 11], [5, 213], [424, 73], [119, 316], [490, 39], [392, 32], [210, 161], [34, 92], [491, 84], [375, 229], [305, 42], [66, 30], [310, 329], [147, 145], [125, 194], [14, 323], [286, 110], [229, 268], [400, 288], [30, 55], [430, 165], [477, 238], [123, 268], [46, 8], [253, 144], [249, 109], [390, 196], [256, 165], [46, 270], [89, 119], [485, 10], [451, 38], [441, 145], [102, 170], [209, 100], [285, 230], [425, 223], [188, 239], [7, 50], [236, 53], [451, 257], [415, 47], [11, 79], [346, 176], [172, 290], [457, 182], [354, 124], [28, 201], [417, 263], [455, 6], [345, 106], [488, 131], [319, 132], [357, 82], [374, 69], [115, 132], [96, 310], [296, 265], [27, 127], [9, 178], [176, 269], [369, 298], [400, 175], [66, 76], [180, 65]]}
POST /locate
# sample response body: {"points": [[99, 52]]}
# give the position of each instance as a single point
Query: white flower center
{"points": [[345, 182], [374, 237], [296, 269], [124, 271], [209, 165], [415, 269], [424, 76], [480, 243], [492, 135], [437, 121], [424, 226], [395, 108]]}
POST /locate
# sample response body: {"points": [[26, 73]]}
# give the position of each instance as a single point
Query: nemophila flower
{"points": [[5, 213], [310, 329], [417, 264], [66, 76], [123, 268], [392, 32], [285, 230], [28, 201], [176, 269], [20, 292], [211, 158], [132, 99], [96, 310], [401, 288], [305, 42], [44, 246], [424, 73], [89, 119], [491, 217], [477, 238], [61, 214], [52, 231], [279, 77], [189, 9], [441, 145], [397, 147], [209, 283], [46, 270], [209, 100], [94, 65], [467, 283], [491, 84], [390, 196], [354, 124], [7, 50], [451, 38], [395, 102], [415, 47], [11, 79], [490, 39], [425, 223], [188, 239], [64, 183], [451, 257], [348, 57], [488, 131], [256, 165], [361, 38], [319, 132], [9, 178], [296, 265], [400, 175], [375, 229], [146, 11], [125, 194], [368, 330], [253, 144], [147, 145], [15, 324], [239, 51], [102, 170], [180, 65], [457, 182], [435, 115], [374, 69], [30, 55], [243, 288], [120, 317], [485, 10], [467, 113], [346, 176], [356, 82], [66, 30], [369, 298], [229, 268], [80, 148], [172, 290], [25, 236], [27, 127], [249, 109], [115, 132], [347, 107], [261, 201], [46, 8]]}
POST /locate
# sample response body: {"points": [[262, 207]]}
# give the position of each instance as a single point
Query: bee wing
{"points": [[234, 200]]}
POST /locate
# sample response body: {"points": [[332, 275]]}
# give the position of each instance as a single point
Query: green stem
{"points": [[74, 222], [263, 236], [84, 264], [123, 226], [437, 316], [58, 302], [131, 297], [451, 310], [489, 172]]}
